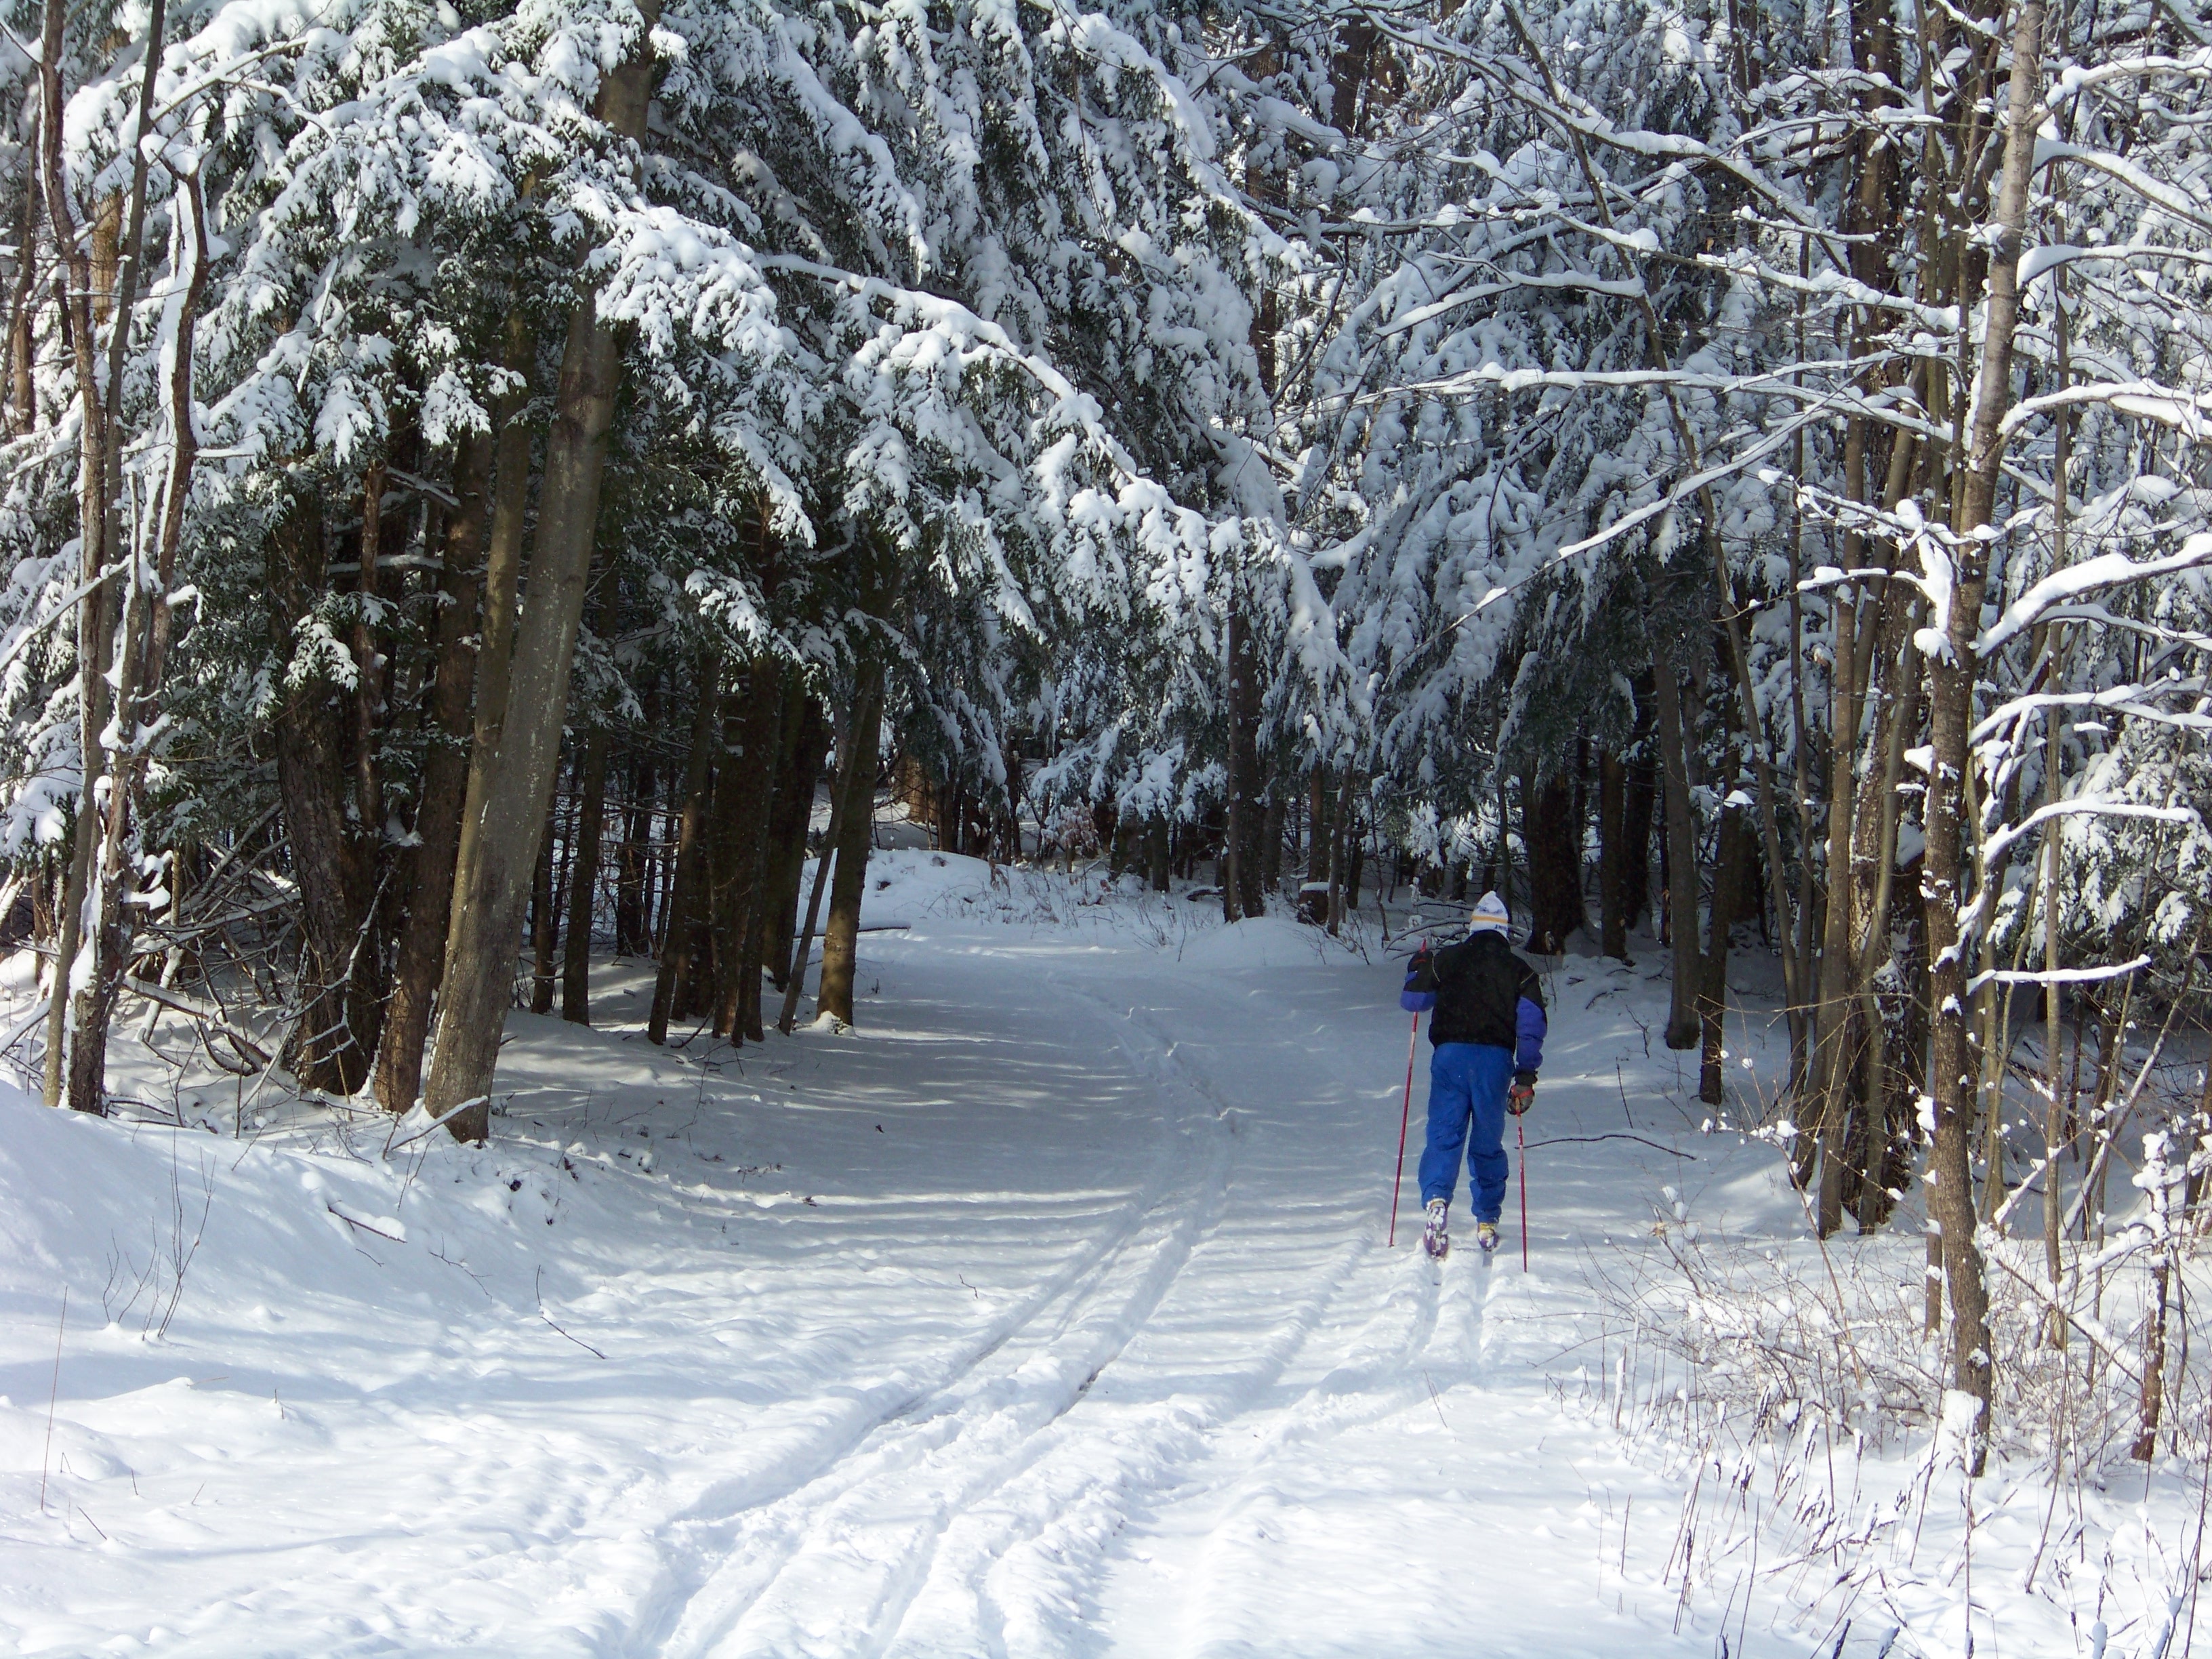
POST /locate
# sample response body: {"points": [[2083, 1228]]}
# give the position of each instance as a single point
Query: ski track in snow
{"points": [[1082, 1341]]}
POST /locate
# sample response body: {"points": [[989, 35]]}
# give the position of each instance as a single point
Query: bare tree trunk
{"points": [[421, 953], [1954, 1067], [1242, 886], [761, 900], [510, 504], [2054, 1117], [1612, 853], [842, 805], [333, 1043], [75, 286], [492, 890], [1339, 828], [633, 882], [793, 815], [589, 837], [584, 880], [1682, 1027], [841, 934], [2144, 1447], [743, 796], [1555, 862], [1733, 856], [544, 916], [688, 887]]}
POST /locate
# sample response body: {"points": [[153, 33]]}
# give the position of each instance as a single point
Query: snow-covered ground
{"points": [[1050, 1312]]}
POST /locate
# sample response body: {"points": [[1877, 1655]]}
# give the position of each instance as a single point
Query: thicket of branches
{"points": [[472, 474]]}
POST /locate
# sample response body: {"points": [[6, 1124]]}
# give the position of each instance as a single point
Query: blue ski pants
{"points": [[1467, 1083]]}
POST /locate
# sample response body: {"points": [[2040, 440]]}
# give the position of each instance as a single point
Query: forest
{"points": [[477, 478]]}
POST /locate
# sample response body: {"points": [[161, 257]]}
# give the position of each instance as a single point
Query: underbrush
{"points": [[1790, 1389]]}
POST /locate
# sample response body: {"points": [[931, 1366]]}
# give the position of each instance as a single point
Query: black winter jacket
{"points": [[1483, 994]]}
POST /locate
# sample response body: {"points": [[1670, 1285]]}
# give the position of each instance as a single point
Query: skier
{"points": [[1488, 1029]]}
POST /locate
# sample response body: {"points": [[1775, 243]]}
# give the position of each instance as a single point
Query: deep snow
{"points": [[1048, 1313]]}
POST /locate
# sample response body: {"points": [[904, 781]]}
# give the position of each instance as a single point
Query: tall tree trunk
{"points": [[841, 935], [1317, 840], [1636, 818], [1555, 862], [1954, 1065], [330, 1046], [545, 913], [1340, 822], [760, 903], [75, 286], [584, 880], [510, 504], [1732, 860], [422, 952], [743, 790], [1242, 884], [1682, 1027], [751, 765], [634, 880], [792, 817], [842, 803], [2152, 1397], [589, 838], [687, 887], [493, 890], [1614, 854]]}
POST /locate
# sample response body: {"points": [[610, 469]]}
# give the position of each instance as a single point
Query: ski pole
{"points": [[1521, 1145], [1405, 1116]]}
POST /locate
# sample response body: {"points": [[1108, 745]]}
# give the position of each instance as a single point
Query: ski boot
{"points": [[1485, 1234], [1435, 1237]]}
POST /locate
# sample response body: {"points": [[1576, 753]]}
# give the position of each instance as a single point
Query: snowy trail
{"points": [[1048, 1314]]}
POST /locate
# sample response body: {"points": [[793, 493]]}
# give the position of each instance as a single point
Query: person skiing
{"points": [[1488, 1031]]}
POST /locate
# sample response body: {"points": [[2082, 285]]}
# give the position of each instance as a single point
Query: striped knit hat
{"points": [[1490, 916]]}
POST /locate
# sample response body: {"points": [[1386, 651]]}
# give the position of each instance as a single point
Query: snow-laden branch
{"points": [[2074, 580], [2089, 807], [2055, 976]]}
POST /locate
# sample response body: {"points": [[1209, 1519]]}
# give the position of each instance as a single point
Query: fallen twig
{"points": [[1615, 1134]]}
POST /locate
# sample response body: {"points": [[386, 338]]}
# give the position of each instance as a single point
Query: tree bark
{"points": [[584, 880], [688, 883], [755, 767], [633, 878], [1555, 862], [1954, 1065], [589, 838], [330, 1045], [1243, 883], [544, 915], [766, 907], [841, 934], [74, 288], [444, 789], [492, 890], [1729, 864], [790, 820], [1683, 1026], [2151, 1404], [1613, 854]]}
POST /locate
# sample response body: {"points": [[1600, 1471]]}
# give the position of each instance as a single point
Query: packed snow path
{"points": [[1049, 1313]]}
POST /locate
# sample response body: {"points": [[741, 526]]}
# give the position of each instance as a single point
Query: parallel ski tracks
{"points": [[957, 1516], [823, 1553]]}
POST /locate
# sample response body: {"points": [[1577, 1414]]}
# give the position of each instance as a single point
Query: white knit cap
{"points": [[1490, 916]]}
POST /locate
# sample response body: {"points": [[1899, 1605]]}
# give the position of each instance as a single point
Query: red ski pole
{"points": [[1521, 1145], [1405, 1116]]}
